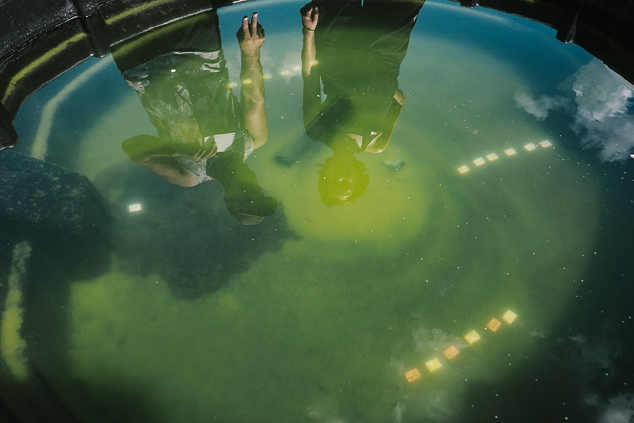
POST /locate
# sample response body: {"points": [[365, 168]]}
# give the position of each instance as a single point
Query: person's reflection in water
{"points": [[204, 133], [355, 49]]}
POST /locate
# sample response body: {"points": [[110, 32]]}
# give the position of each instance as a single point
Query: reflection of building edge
{"points": [[11, 343], [602, 28], [68, 33]]}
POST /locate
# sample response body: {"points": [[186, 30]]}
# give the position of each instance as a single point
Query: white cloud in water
{"points": [[540, 107], [620, 409], [435, 340], [594, 360], [601, 118], [599, 95]]}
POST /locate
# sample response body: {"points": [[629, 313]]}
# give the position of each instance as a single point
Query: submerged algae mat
{"points": [[324, 328]]}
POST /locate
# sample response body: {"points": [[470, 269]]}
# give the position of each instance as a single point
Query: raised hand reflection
{"points": [[179, 73], [355, 49]]}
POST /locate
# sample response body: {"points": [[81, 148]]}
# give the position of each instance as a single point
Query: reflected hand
{"points": [[310, 16], [250, 35], [399, 97]]}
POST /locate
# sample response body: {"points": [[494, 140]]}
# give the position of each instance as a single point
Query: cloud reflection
{"points": [[594, 360], [602, 110], [540, 107]]}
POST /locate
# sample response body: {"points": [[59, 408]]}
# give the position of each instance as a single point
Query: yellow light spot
{"points": [[472, 337], [267, 77], [232, 85], [545, 144], [510, 152], [494, 324], [530, 146], [463, 169], [451, 352], [285, 73], [492, 157], [433, 365], [479, 161], [412, 375], [509, 317], [247, 81]]}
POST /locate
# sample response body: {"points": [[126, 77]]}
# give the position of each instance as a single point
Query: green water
{"points": [[323, 327]]}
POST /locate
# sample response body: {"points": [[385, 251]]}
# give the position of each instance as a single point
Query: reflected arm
{"points": [[250, 38], [310, 73], [391, 118], [158, 156], [252, 98]]}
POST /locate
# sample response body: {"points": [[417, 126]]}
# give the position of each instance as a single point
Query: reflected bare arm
{"points": [[158, 155], [310, 71], [310, 19], [250, 38], [391, 119]]}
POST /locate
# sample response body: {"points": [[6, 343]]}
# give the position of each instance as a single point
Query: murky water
{"points": [[484, 201]]}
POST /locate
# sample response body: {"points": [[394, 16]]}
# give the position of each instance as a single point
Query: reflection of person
{"points": [[204, 133], [355, 49]]}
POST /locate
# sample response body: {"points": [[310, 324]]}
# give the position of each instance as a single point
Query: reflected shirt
{"points": [[187, 97]]}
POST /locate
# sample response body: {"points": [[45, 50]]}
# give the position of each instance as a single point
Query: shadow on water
{"points": [[51, 393], [186, 236]]}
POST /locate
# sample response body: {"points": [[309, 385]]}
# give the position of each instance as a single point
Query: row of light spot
{"points": [[472, 337], [266, 77], [509, 152]]}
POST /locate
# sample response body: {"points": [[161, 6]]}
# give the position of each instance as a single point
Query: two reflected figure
{"points": [[355, 50], [179, 73]]}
